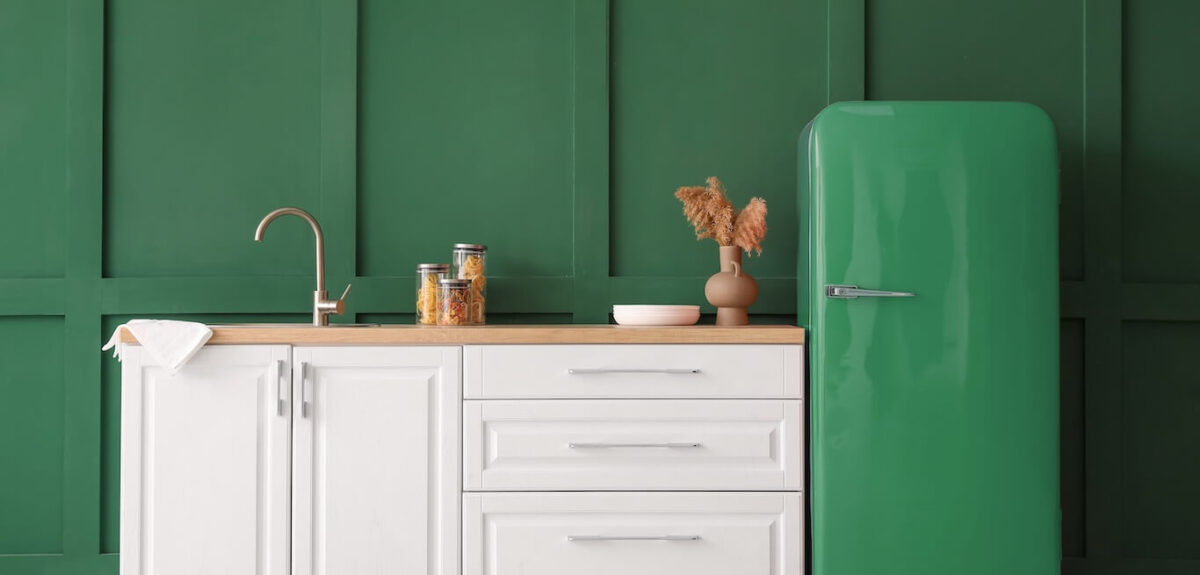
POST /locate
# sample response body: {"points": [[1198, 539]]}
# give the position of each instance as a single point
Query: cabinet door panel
{"points": [[375, 468], [632, 533], [632, 445], [204, 463]]}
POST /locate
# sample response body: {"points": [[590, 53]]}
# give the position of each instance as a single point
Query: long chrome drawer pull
{"points": [[633, 537], [590, 371], [852, 292], [604, 445]]}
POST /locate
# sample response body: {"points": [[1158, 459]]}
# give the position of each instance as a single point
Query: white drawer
{"points": [[633, 445], [632, 371], [632, 534]]}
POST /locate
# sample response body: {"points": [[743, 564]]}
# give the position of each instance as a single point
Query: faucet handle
{"points": [[341, 301]]}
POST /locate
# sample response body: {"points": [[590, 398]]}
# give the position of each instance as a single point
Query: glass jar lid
{"points": [[433, 267], [471, 247], [454, 283]]}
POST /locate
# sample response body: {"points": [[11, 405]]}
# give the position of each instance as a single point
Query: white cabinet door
{"points": [[204, 463], [632, 533], [375, 460]]}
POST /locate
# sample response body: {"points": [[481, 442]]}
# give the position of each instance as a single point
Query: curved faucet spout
{"points": [[262, 228]]}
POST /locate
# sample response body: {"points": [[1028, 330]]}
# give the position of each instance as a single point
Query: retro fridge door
{"points": [[934, 338]]}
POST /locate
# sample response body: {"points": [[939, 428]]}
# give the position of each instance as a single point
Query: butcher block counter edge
{"points": [[499, 335]]}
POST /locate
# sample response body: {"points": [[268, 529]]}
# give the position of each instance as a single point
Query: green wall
{"points": [[141, 141]]}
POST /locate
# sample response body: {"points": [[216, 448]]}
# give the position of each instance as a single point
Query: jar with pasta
{"points": [[454, 302], [470, 263], [428, 276]]}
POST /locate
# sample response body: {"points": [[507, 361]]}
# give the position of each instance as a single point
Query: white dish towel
{"points": [[171, 343]]}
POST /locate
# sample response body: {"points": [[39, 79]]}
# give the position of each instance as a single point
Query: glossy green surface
{"points": [[934, 419]]}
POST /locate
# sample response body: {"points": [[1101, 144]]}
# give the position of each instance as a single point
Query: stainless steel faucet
{"points": [[322, 306]]}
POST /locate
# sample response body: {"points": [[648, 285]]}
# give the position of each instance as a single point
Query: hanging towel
{"points": [[170, 343]]}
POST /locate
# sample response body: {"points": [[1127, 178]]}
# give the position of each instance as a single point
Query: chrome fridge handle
{"points": [[851, 292]]}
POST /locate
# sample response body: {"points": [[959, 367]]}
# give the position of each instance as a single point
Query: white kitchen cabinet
{"points": [[632, 458], [633, 533], [375, 460], [204, 463], [272, 460]]}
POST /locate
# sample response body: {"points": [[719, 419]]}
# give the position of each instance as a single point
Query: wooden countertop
{"points": [[497, 334]]}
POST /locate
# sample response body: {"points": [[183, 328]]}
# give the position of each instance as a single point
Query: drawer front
{"points": [[632, 371], [632, 534], [633, 445]]}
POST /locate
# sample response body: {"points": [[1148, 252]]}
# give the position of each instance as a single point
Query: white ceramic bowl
{"points": [[656, 314]]}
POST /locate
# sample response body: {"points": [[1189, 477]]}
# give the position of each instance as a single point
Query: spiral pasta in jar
{"points": [[427, 291], [454, 303], [470, 263]]}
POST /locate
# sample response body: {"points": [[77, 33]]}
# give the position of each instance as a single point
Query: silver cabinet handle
{"points": [[280, 403], [651, 445], [851, 292], [595, 371], [633, 537], [304, 389]]}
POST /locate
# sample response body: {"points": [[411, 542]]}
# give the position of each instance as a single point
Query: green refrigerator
{"points": [[930, 287]]}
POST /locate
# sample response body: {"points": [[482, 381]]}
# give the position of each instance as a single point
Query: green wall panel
{"points": [[1071, 451], [1029, 50], [1161, 123], [1161, 460], [465, 134], [32, 402], [212, 120], [33, 145], [708, 89], [110, 416]]}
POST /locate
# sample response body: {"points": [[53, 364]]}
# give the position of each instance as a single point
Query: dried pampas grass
{"points": [[751, 226], [712, 216], [708, 210]]}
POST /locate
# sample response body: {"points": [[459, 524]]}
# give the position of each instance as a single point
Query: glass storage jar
{"points": [[470, 263], [428, 276], [454, 301]]}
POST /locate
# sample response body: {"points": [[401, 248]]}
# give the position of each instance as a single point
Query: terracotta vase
{"points": [[731, 290]]}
